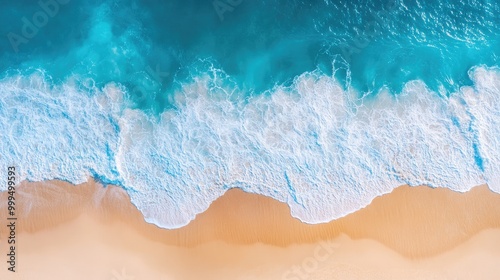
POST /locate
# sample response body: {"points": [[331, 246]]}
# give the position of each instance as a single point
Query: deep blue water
{"points": [[153, 46]]}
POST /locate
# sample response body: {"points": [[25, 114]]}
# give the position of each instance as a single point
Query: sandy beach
{"points": [[94, 232]]}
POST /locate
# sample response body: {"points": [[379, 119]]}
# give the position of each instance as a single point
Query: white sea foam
{"points": [[58, 132], [313, 145]]}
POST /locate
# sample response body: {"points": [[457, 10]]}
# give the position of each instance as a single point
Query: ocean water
{"points": [[323, 105]]}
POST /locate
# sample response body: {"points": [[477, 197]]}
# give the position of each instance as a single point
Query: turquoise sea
{"points": [[321, 104]]}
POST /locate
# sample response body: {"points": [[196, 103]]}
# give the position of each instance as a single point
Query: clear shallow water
{"points": [[178, 102]]}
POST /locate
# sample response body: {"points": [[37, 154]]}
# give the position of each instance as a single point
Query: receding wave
{"points": [[313, 145]]}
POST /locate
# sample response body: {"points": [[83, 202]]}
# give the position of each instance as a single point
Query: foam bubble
{"points": [[58, 131], [313, 145]]}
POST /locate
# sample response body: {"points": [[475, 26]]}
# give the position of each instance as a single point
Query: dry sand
{"points": [[91, 232]]}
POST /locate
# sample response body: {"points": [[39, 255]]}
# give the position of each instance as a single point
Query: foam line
{"points": [[313, 145]]}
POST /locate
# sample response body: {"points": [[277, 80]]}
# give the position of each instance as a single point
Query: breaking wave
{"points": [[315, 144]]}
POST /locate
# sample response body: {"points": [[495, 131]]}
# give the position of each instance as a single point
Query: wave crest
{"points": [[313, 145]]}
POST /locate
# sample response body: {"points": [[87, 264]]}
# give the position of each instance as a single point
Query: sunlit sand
{"points": [[91, 232]]}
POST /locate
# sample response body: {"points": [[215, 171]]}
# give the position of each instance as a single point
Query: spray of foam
{"points": [[313, 145]]}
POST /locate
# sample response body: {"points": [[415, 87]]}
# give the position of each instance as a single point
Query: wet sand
{"points": [[91, 232]]}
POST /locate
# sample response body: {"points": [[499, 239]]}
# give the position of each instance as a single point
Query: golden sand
{"points": [[91, 232]]}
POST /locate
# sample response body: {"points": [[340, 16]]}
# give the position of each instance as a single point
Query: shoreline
{"points": [[410, 226]]}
